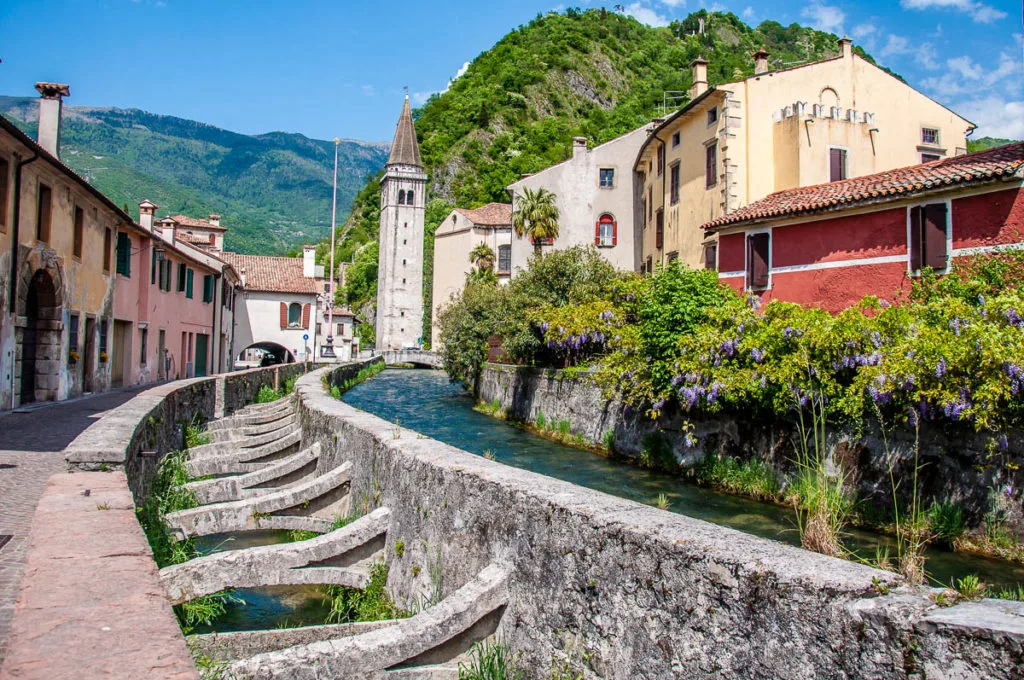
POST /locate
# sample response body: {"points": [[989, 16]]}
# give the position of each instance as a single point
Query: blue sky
{"points": [[330, 69]]}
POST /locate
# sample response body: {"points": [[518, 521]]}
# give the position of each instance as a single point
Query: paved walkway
{"points": [[30, 452]]}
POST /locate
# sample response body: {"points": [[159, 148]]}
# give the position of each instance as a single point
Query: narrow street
{"points": [[31, 446]]}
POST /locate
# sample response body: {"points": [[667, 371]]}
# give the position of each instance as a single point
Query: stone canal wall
{"points": [[629, 591], [959, 465]]}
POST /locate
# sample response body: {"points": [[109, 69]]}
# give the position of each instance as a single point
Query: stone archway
{"points": [[280, 354], [40, 340]]}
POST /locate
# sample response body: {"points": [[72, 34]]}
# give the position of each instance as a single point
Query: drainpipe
{"points": [[16, 224]]}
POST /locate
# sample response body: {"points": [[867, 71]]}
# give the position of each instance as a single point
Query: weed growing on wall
{"points": [[490, 660], [267, 394], [373, 603], [363, 375]]}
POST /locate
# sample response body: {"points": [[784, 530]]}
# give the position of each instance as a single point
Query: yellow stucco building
{"points": [[737, 142]]}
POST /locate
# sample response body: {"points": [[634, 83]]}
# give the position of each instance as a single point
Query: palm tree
{"points": [[536, 216], [482, 256]]}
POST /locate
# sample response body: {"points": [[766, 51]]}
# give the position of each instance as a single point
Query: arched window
{"points": [[605, 231], [409, 197], [295, 314], [401, 197]]}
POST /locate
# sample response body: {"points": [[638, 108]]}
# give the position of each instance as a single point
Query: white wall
{"points": [[258, 319]]}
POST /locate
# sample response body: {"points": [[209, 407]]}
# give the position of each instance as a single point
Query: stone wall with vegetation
{"points": [[241, 387], [957, 463], [623, 590]]}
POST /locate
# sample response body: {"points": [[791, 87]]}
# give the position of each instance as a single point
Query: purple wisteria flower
{"points": [[940, 368], [544, 326], [757, 355], [1014, 318], [754, 302], [789, 332]]}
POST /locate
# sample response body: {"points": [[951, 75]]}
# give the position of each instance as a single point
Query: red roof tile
{"points": [[185, 221], [272, 274], [490, 215], [983, 166]]}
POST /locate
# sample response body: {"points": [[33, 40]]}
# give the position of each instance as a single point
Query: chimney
{"points": [[146, 211], [699, 71], [215, 220], [309, 261], [760, 62], [49, 115], [167, 229], [579, 147], [846, 46], [241, 277]]}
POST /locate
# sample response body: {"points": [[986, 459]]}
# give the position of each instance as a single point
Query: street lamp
{"points": [[328, 352]]}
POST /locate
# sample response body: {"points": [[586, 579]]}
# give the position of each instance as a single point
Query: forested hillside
{"points": [[516, 109], [273, 190]]}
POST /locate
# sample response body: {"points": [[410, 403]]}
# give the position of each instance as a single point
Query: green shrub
{"points": [[947, 522], [657, 454], [542, 422], [267, 394], [373, 603], [490, 661], [751, 477]]}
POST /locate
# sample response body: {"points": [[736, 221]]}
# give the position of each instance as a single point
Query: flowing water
{"points": [[426, 402]]}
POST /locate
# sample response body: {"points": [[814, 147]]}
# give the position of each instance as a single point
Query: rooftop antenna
{"points": [[405, 88]]}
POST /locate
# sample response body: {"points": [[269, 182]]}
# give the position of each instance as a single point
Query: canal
{"points": [[425, 401]]}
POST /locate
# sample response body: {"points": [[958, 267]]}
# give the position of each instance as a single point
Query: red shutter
{"points": [[757, 272], [597, 233], [284, 315], [659, 234], [615, 232], [915, 239], [305, 315], [934, 232]]}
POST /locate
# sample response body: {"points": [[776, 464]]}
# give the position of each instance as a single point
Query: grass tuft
{"points": [[490, 661]]}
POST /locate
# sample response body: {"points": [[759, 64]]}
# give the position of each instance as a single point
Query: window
{"points": [[930, 136], [165, 275], [152, 266], [675, 139], [661, 160], [929, 157], [929, 231], [712, 115], [189, 276], [124, 255], [73, 332], [108, 239], [605, 231], [5, 171], [711, 256], [504, 259], [659, 232], [607, 178], [401, 197], [674, 184], [711, 165], [758, 258], [181, 277], [650, 203], [208, 288], [103, 337], [79, 235], [295, 314], [650, 265], [836, 165], [409, 197], [143, 341], [44, 213], [213, 239]]}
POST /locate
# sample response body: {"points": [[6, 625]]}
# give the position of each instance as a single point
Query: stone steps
{"points": [[295, 469]]}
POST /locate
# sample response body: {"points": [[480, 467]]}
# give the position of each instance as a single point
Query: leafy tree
{"points": [[536, 216], [482, 256], [466, 322]]}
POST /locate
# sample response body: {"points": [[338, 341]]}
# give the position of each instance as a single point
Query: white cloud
{"points": [[924, 54], [979, 12], [368, 90], [646, 15], [748, 13], [420, 98], [672, 3], [965, 67], [896, 44], [824, 17], [863, 30], [995, 117], [927, 57]]}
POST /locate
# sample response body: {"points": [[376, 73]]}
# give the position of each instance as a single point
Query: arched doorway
{"points": [[263, 354], [40, 341]]}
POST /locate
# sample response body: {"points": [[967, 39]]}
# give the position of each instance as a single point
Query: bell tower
{"points": [[400, 255]]}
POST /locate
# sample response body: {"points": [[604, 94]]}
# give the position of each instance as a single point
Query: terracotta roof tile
{"points": [[272, 274], [185, 221], [983, 166], [490, 215]]}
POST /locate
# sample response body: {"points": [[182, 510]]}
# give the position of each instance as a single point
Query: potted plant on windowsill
{"points": [[103, 357], [73, 356]]}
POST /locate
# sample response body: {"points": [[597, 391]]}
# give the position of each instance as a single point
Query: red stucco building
{"points": [[831, 244]]}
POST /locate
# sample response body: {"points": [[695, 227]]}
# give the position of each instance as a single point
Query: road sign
{"points": [[305, 337]]}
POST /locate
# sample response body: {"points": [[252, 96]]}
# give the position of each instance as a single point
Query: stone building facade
{"points": [[400, 259]]}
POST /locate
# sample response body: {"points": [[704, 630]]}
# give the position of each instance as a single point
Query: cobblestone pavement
{"points": [[31, 446]]}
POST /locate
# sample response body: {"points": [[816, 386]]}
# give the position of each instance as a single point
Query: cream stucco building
{"points": [[594, 192], [738, 142], [454, 241]]}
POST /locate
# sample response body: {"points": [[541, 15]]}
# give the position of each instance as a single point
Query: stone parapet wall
{"points": [[639, 592], [241, 387], [959, 464]]}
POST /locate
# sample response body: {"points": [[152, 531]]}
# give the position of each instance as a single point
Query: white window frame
{"points": [[607, 242], [949, 235], [746, 259], [938, 136]]}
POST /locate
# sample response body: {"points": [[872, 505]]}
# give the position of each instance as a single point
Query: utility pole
{"points": [[328, 352]]}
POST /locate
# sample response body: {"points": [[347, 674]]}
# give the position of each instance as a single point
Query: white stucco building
{"points": [[456, 237], [400, 259], [594, 192]]}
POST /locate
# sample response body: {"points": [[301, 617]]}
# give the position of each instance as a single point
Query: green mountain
{"points": [[273, 190], [517, 107], [983, 143]]}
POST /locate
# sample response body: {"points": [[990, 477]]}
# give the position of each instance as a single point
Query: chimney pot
{"points": [[146, 211], [579, 147], [760, 62], [50, 104], [309, 261], [846, 46], [215, 219], [699, 74]]}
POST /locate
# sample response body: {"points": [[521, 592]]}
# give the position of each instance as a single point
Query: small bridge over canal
{"points": [[417, 357]]}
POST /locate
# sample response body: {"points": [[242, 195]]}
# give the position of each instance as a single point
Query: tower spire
{"points": [[404, 149]]}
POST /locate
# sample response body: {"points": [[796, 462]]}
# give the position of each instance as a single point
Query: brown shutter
{"points": [[915, 238], [757, 271], [305, 315], [836, 169], [710, 253], [934, 233], [597, 233], [659, 235], [615, 232], [284, 315]]}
